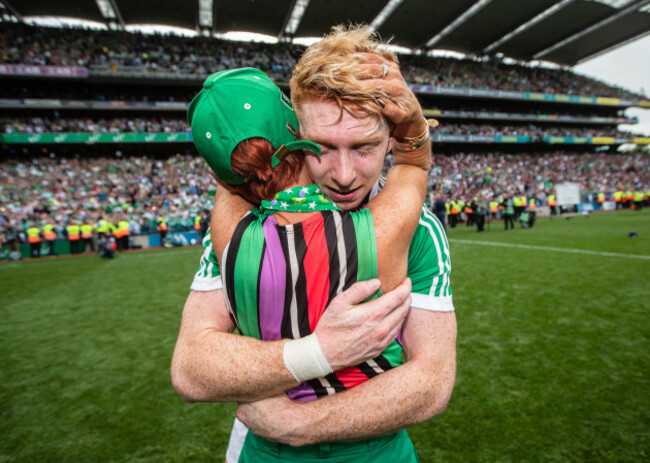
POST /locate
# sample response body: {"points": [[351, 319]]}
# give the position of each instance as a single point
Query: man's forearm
{"points": [[394, 400], [388, 403], [212, 365]]}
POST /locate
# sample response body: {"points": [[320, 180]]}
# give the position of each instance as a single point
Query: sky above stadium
{"points": [[628, 67]]}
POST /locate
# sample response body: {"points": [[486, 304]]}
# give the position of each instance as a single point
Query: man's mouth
{"points": [[342, 196]]}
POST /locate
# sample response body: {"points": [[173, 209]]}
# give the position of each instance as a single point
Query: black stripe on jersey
{"points": [[285, 328], [259, 294], [335, 382], [351, 250], [383, 363], [367, 370], [333, 251], [302, 300], [231, 258], [319, 389]]}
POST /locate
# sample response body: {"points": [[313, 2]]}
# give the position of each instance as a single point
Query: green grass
{"points": [[553, 353]]}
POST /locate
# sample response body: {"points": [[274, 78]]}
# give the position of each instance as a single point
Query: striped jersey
{"points": [[429, 265], [279, 279]]}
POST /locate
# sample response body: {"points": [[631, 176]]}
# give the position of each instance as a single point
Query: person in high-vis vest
{"points": [[601, 198], [74, 237], [494, 208], [197, 223], [453, 213], [552, 204], [516, 203], [34, 240], [123, 226], [49, 233], [618, 199], [628, 199], [469, 213], [87, 236], [531, 204], [116, 232], [103, 227], [524, 202], [162, 229], [638, 200]]}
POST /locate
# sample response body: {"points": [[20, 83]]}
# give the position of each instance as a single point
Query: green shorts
{"points": [[396, 448]]}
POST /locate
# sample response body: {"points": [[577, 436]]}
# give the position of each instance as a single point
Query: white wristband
{"points": [[305, 359]]}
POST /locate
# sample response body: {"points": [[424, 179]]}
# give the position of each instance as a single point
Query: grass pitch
{"points": [[553, 352]]}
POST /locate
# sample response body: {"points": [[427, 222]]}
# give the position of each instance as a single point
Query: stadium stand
{"points": [[107, 136]]}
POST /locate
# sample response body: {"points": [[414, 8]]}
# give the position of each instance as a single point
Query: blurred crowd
{"points": [[139, 192], [530, 130], [94, 125], [490, 175], [170, 125], [113, 50], [142, 193], [120, 51]]}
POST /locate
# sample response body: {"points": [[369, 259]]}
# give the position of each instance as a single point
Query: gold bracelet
{"points": [[413, 143]]}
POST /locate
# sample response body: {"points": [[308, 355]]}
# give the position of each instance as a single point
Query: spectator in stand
{"points": [[138, 54], [177, 188], [10, 238], [440, 209]]}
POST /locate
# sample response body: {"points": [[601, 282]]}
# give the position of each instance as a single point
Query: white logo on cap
{"points": [[247, 106], [208, 135]]}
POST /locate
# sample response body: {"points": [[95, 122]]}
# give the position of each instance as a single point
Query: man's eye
{"points": [[365, 152]]}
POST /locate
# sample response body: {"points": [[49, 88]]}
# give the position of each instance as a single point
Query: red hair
{"points": [[252, 158]]}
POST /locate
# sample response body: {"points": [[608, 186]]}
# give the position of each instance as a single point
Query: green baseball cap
{"points": [[238, 104]]}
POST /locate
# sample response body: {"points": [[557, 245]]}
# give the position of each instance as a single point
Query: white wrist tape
{"points": [[305, 359]]}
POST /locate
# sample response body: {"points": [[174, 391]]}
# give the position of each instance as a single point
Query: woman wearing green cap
{"points": [[286, 250]]}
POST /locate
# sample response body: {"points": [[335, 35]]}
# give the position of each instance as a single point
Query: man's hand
{"points": [[207, 360], [262, 419], [400, 106], [350, 334]]}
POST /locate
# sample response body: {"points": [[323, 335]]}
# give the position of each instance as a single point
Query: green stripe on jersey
{"points": [[393, 353], [247, 269], [366, 247]]}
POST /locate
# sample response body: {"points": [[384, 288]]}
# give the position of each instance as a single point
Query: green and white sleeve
{"points": [[208, 276], [429, 265]]}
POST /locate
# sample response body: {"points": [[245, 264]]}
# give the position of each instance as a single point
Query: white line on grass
{"points": [[548, 248]]}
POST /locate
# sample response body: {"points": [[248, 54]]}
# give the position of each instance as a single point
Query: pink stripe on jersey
{"points": [[272, 283]]}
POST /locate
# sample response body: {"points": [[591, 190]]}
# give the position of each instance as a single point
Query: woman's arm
{"points": [[396, 209], [228, 210]]}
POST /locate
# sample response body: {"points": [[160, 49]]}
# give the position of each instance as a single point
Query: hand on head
{"points": [[400, 106]]}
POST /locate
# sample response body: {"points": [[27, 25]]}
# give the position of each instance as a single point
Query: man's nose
{"points": [[344, 172]]}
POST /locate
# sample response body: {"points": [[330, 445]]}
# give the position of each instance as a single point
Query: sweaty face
{"points": [[352, 151]]}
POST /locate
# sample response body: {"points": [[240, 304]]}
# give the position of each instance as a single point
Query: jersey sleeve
{"points": [[429, 265], [208, 276]]}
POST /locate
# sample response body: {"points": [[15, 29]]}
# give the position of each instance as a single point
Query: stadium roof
{"points": [[562, 31]]}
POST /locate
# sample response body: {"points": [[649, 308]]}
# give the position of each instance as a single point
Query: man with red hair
{"points": [[211, 364]]}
